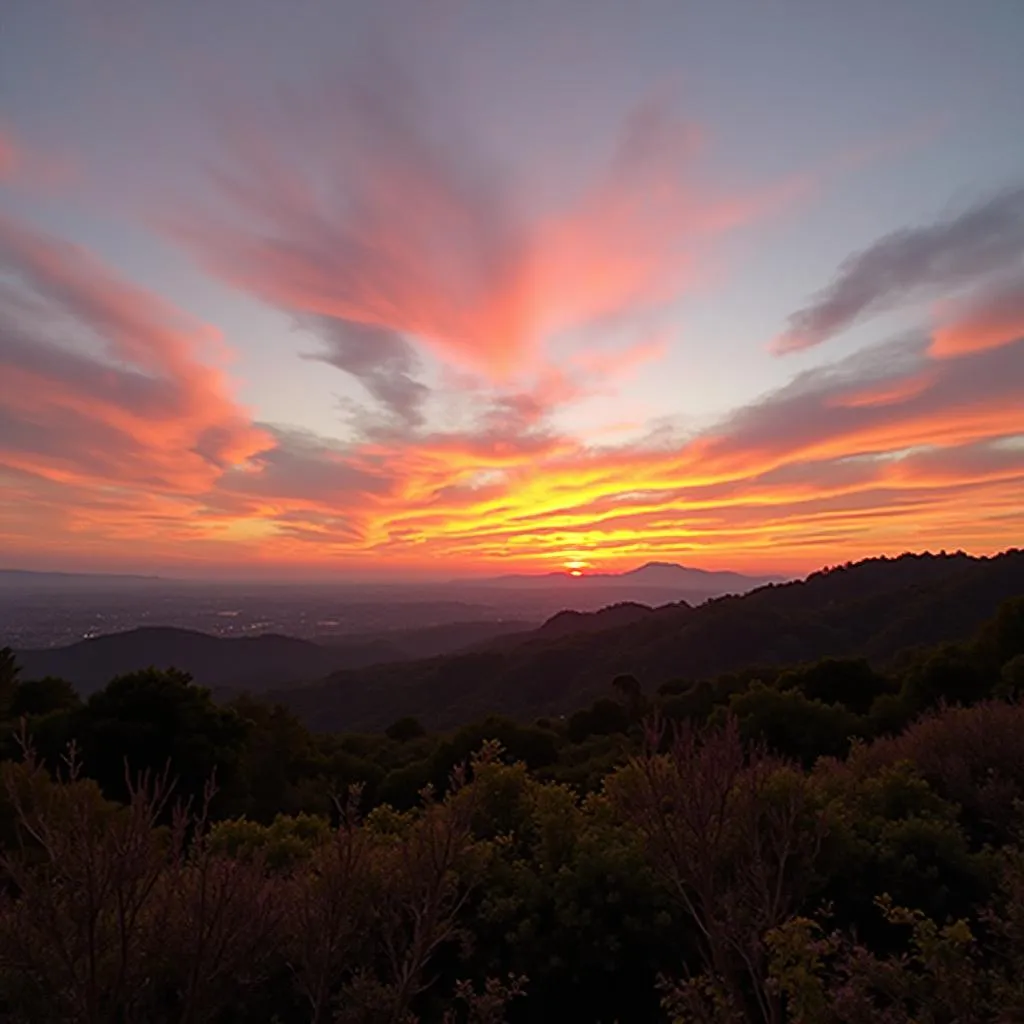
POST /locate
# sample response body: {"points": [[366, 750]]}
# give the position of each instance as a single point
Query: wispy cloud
{"points": [[102, 382], [120, 434], [892, 449], [913, 263], [363, 206], [888, 450], [382, 360], [992, 316]]}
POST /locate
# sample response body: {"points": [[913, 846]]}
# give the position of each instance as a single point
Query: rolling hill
{"points": [[660, 575], [655, 583], [254, 663], [875, 609]]}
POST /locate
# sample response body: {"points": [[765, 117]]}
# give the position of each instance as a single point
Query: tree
{"points": [[43, 696], [152, 718], [792, 725], [536, 747], [629, 686], [951, 674], [1011, 678], [112, 918], [405, 729], [77, 941], [278, 767], [603, 718], [9, 670], [847, 681], [1003, 637], [733, 835]]}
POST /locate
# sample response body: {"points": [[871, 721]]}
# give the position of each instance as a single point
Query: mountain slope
{"points": [[213, 661], [873, 609], [254, 662], [653, 575]]}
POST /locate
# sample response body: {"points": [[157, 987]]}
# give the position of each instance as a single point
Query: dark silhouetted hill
{"points": [[873, 609], [254, 663], [661, 575], [568, 622]]}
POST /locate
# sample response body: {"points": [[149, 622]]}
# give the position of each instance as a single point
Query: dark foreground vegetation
{"points": [[836, 840]]}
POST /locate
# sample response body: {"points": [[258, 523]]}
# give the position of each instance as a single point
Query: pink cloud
{"points": [[119, 435], [623, 362], [29, 168], [993, 318], [372, 215], [103, 382]]}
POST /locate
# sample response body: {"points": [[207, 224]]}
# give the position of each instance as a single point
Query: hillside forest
{"points": [[801, 805]]}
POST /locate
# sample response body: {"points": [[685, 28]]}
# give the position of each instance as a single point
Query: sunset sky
{"points": [[299, 288]]}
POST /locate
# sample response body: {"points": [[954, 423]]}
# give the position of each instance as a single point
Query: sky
{"points": [[406, 288]]}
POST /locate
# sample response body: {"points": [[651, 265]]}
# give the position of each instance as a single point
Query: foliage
{"points": [[854, 617], [152, 718], [733, 834], [792, 724], [824, 841]]}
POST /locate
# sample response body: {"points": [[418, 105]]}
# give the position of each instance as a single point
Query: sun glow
{"points": [[575, 567]]}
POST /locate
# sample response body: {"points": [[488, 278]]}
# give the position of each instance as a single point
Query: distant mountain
{"points": [[682, 577], [25, 578], [872, 609], [658, 575], [254, 662]]}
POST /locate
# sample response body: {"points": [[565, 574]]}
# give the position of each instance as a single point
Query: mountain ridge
{"points": [[873, 609], [659, 575], [244, 662]]}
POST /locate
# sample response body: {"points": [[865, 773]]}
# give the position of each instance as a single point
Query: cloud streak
{"points": [[101, 382], [897, 449], [962, 250], [362, 207], [816, 467], [396, 252], [382, 360], [992, 317]]}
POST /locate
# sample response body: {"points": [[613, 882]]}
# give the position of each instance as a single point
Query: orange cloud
{"points": [[788, 482], [887, 393], [996, 317], [101, 383], [360, 209], [118, 441]]}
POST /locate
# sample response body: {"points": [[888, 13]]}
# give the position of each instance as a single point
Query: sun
{"points": [[575, 567]]}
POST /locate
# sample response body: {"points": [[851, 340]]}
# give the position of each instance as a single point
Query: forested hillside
{"points": [[832, 841], [247, 662], [873, 609]]}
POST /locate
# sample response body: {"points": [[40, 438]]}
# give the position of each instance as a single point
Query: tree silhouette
{"points": [[9, 670], [149, 718]]}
